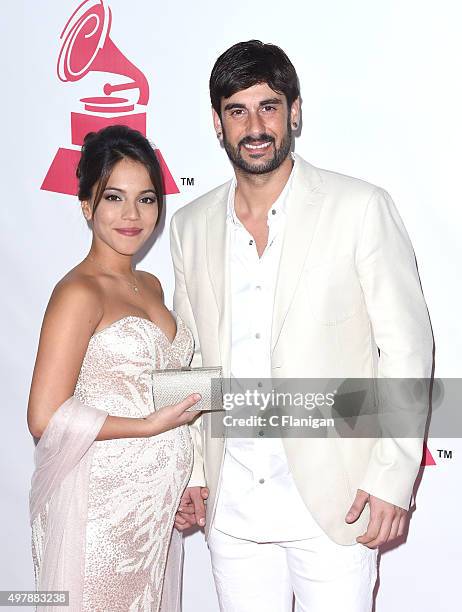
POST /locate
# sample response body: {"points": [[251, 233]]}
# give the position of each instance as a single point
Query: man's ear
{"points": [[86, 209], [295, 113], [217, 124]]}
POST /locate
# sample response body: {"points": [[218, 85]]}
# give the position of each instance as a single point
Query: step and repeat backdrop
{"points": [[381, 94]]}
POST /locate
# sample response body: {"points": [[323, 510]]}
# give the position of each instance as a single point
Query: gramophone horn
{"points": [[87, 47]]}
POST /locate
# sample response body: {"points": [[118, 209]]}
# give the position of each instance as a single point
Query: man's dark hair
{"points": [[248, 63]]}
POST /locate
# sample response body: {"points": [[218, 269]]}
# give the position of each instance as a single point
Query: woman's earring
{"points": [[218, 134]]}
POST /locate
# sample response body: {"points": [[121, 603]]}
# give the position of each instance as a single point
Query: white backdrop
{"points": [[381, 88]]}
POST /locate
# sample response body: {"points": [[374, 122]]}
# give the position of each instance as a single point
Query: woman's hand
{"points": [[169, 417]]}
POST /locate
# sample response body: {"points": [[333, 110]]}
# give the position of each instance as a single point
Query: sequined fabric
{"points": [[135, 483]]}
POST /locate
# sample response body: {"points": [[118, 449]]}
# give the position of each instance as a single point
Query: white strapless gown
{"points": [[135, 484]]}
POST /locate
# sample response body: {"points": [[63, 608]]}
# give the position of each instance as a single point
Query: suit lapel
{"points": [[303, 208], [219, 271]]}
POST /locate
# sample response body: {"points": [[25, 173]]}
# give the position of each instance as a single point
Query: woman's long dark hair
{"points": [[100, 153]]}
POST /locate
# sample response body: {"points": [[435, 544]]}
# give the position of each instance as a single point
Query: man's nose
{"points": [[256, 124]]}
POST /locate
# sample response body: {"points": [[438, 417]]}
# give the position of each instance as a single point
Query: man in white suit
{"points": [[290, 271]]}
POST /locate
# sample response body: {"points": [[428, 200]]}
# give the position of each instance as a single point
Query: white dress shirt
{"points": [[258, 499]]}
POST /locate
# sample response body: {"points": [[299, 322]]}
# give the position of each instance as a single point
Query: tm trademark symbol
{"points": [[443, 453], [186, 180]]}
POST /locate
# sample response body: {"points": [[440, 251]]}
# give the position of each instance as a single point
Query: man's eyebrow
{"points": [[232, 105], [271, 101]]}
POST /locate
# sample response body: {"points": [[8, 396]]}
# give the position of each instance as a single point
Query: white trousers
{"points": [[323, 576]]}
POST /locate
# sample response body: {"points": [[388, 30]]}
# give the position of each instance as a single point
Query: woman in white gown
{"points": [[109, 469]]}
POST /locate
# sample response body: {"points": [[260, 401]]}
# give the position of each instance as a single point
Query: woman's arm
{"points": [[72, 315]]}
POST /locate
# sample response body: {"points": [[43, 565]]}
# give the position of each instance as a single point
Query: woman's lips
{"points": [[133, 231]]}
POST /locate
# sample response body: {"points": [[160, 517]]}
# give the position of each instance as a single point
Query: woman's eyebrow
{"points": [[151, 190]]}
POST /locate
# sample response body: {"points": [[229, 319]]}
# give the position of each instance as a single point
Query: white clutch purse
{"points": [[171, 386]]}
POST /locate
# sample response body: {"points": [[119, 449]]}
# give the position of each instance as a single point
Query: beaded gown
{"points": [[134, 484]]}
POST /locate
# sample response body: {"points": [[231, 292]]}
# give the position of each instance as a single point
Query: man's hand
{"points": [[386, 522], [191, 510]]}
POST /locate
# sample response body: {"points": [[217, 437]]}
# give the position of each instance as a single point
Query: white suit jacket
{"points": [[347, 286]]}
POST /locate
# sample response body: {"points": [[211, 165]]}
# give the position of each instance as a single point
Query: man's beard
{"points": [[280, 154]]}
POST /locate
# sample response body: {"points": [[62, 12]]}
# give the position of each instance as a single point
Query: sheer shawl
{"points": [[58, 507]]}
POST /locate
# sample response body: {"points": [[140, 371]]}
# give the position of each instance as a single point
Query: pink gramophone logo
{"points": [[88, 48], [427, 457]]}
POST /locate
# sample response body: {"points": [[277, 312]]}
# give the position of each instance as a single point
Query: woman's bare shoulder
{"points": [[77, 293], [153, 281]]}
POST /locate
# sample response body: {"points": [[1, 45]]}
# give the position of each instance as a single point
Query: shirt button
{"points": [[257, 335], [273, 212], [260, 384], [261, 433], [261, 481], [250, 242]]}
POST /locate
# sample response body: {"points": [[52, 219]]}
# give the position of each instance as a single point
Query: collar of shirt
{"points": [[279, 206]]}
